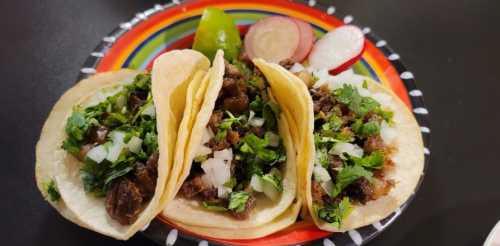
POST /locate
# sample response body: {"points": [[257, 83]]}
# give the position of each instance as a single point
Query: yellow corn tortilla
{"points": [[268, 216], [172, 73]]}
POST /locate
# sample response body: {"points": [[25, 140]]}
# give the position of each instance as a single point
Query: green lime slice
{"points": [[217, 31]]}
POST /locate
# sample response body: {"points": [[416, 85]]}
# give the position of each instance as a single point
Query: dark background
{"points": [[450, 45]]}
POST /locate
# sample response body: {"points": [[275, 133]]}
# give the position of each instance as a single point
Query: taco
{"points": [[364, 156], [104, 154], [238, 177]]}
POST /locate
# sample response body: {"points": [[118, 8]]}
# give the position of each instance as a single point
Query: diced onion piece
{"points": [[274, 139], [135, 144], [327, 186], [297, 67], [97, 154], [387, 133], [256, 121], [114, 151], [351, 149], [256, 183], [225, 154], [321, 174], [217, 171], [270, 191], [117, 137], [149, 110], [223, 192], [121, 101]]}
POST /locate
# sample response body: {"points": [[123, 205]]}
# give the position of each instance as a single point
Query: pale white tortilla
{"points": [[172, 73]]}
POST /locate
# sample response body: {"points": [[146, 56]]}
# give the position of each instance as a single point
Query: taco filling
{"points": [[351, 155], [116, 139], [241, 153]]}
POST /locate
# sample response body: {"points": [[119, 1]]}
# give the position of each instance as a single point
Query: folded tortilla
{"points": [[268, 216], [174, 71], [408, 157]]}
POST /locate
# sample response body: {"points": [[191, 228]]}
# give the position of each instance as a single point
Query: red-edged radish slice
{"points": [[306, 40], [347, 64], [338, 48], [273, 39]]}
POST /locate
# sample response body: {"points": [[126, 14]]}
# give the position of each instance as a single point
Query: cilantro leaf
{"points": [[52, 191], [214, 207], [347, 175], [322, 157], [337, 213], [350, 96], [274, 178], [77, 126], [370, 128], [226, 124], [333, 124], [374, 161], [231, 183], [238, 201]]}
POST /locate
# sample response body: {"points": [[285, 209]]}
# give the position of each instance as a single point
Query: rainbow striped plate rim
{"points": [[136, 42]]}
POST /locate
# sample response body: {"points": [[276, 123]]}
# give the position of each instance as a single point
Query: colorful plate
{"points": [[135, 44]]}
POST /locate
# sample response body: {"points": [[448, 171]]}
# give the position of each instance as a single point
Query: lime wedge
{"points": [[217, 30]]}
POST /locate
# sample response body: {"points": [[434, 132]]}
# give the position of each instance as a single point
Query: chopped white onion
{"points": [[117, 136], [149, 110], [218, 171], [134, 144], [223, 192], [256, 183], [256, 121], [97, 154], [327, 186], [121, 101], [114, 152], [297, 67], [203, 150], [387, 133], [251, 115], [274, 139], [321, 174], [225, 154], [351, 149], [270, 191]]}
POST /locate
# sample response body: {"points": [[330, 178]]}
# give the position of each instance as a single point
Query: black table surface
{"points": [[450, 45]]}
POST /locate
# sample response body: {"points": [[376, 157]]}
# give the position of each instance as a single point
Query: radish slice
{"points": [[273, 39], [306, 40], [338, 49]]}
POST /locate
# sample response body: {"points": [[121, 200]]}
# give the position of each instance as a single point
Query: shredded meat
{"points": [[218, 145], [237, 104], [209, 194], [258, 131], [124, 201], [246, 212], [145, 176], [233, 137], [317, 192], [287, 63], [231, 70], [215, 120], [322, 99], [382, 188], [192, 187], [360, 190], [373, 143], [83, 151], [136, 100], [98, 134]]}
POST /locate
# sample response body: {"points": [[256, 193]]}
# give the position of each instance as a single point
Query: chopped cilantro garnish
{"points": [[238, 201], [214, 207], [52, 191], [231, 183], [274, 178], [374, 161], [347, 175], [226, 125], [350, 96], [322, 157], [335, 214]]}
